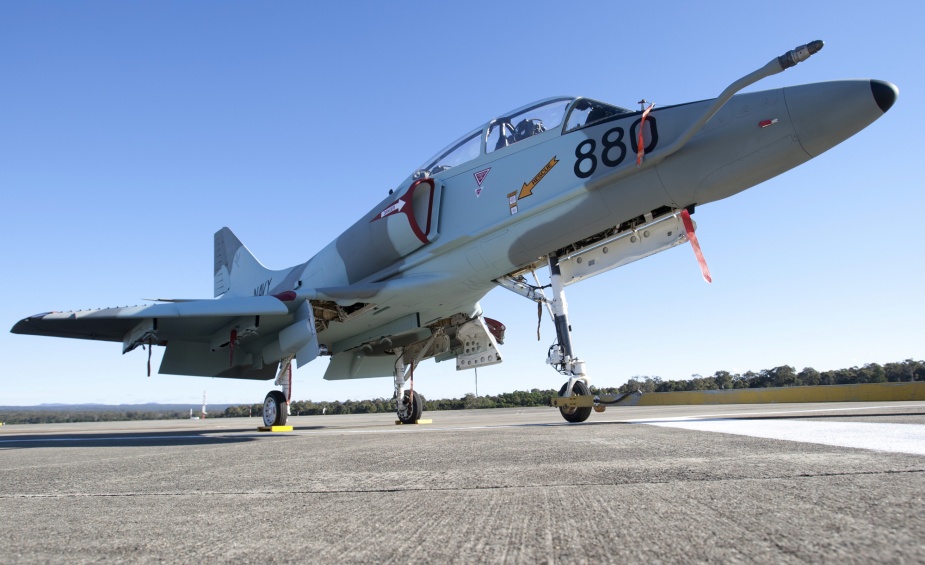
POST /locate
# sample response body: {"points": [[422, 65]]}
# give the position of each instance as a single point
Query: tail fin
{"points": [[239, 273]]}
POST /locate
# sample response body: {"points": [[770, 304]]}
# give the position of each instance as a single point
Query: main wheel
{"points": [[575, 413], [274, 409], [413, 409]]}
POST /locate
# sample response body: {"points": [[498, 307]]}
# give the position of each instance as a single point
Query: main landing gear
{"points": [[276, 404], [477, 338], [409, 405]]}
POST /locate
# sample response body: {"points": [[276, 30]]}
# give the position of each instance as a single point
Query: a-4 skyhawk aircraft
{"points": [[570, 183]]}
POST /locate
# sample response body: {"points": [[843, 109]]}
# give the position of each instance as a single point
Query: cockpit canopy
{"points": [[518, 125]]}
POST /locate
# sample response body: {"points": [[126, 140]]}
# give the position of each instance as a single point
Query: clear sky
{"points": [[131, 131]]}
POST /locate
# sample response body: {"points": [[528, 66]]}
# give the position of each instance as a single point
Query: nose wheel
{"points": [[575, 414]]}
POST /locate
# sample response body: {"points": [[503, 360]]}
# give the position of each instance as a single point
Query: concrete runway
{"points": [[643, 485]]}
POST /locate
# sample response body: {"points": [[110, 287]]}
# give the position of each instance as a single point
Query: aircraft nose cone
{"points": [[885, 94], [826, 113]]}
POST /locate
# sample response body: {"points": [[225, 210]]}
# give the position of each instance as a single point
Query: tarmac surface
{"points": [[632, 485]]}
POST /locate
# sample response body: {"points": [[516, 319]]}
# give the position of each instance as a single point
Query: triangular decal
{"points": [[480, 176]]}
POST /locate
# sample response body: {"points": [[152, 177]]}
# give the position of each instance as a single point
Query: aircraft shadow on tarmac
{"points": [[134, 439]]}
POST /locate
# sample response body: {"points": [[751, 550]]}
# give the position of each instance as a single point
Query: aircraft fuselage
{"points": [[584, 181]]}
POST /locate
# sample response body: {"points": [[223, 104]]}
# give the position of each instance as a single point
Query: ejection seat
{"points": [[528, 128]]}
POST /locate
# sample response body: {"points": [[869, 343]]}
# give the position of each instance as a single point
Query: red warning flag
{"points": [[692, 237], [640, 144]]}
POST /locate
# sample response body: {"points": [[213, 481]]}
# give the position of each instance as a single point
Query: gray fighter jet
{"points": [[570, 183]]}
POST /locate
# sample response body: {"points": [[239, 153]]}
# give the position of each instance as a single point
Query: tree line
{"points": [[63, 416], [783, 376]]}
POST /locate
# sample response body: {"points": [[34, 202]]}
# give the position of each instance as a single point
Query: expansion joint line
{"points": [[455, 489]]}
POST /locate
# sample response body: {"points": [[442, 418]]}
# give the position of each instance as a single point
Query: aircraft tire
{"points": [[274, 409], [576, 414], [417, 408]]}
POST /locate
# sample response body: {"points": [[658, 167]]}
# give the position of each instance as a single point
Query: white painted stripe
{"points": [[793, 412], [898, 438]]}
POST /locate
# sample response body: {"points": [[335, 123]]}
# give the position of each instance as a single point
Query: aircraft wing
{"points": [[259, 330], [112, 324]]}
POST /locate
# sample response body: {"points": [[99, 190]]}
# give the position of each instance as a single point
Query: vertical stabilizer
{"points": [[226, 245], [239, 273]]}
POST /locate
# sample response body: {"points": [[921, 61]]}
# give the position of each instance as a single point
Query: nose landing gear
{"points": [[561, 356]]}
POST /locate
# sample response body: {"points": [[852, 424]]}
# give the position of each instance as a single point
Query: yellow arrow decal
{"points": [[527, 189]]}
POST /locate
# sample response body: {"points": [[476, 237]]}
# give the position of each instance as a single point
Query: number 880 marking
{"points": [[614, 149]]}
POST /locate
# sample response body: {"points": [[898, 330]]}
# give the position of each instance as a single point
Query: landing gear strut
{"points": [[561, 356]]}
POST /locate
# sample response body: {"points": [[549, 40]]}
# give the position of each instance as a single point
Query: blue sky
{"points": [[131, 131]]}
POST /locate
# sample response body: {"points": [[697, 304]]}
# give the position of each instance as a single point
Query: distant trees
{"points": [[242, 411], [52, 416], [809, 376], [785, 375]]}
